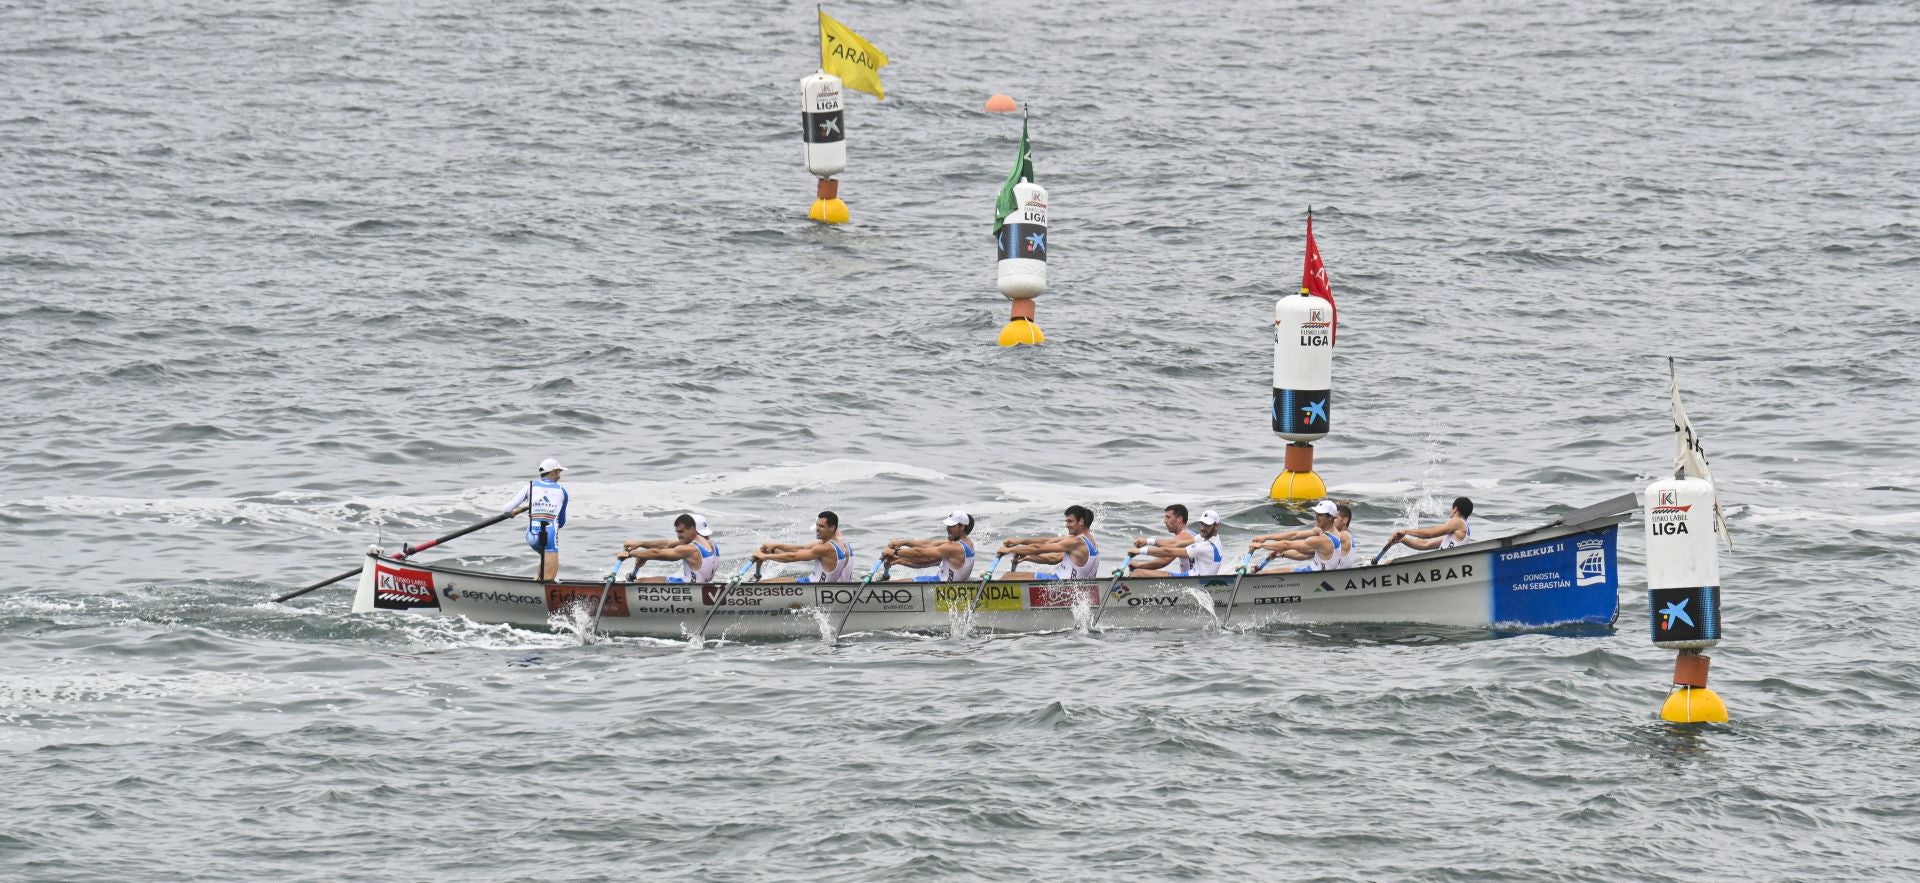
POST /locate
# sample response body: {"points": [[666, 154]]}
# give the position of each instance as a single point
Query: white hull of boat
{"points": [[1556, 575]]}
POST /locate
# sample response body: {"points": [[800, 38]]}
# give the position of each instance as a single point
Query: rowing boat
{"points": [[1560, 573]]}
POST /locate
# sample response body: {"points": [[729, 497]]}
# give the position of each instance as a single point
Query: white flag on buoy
{"points": [[1689, 455]]}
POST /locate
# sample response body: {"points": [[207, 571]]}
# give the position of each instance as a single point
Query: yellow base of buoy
{"points": [[1694, 705], [828, 211], [1019, 332], [1298, 486]]}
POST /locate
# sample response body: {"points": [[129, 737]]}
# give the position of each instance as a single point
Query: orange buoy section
{"points": [[1001, 104]]}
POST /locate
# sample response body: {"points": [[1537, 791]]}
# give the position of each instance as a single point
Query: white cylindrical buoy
{"points": [[1683, 564], [822, 127], [1022, 245], [1302, 367]]}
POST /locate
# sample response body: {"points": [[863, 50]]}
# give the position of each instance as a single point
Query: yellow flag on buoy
{"points": [[850, 57]]}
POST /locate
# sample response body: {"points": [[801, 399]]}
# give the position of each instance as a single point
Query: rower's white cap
{"points": [[550, 465], [1209, 517], [700, 525], [1327, 508], [958, 517]]}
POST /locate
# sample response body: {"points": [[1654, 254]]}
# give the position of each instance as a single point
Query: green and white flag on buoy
{"points": [[1022, 171]]}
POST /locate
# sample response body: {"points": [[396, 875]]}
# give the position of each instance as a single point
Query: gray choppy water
{"points": [[277, 280]]}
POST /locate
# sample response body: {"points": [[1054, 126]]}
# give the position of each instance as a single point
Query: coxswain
{"points": [[1455, 531], [1201, 557], [545, 502], [1159, 557], [952, 556], [697, 559], [1074, 556], [832, 559], [1319, 547]]}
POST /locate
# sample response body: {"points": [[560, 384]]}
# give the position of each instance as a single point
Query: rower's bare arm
{"points": [[796, 554]]}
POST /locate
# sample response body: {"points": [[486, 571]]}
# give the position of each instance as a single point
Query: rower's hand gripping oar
{"points": [[872, 572], [594, 625], [722, 599], [404, 552], [1235, 594]]}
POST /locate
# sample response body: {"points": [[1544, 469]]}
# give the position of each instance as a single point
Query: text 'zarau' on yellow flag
{"points": [[850, 57]]}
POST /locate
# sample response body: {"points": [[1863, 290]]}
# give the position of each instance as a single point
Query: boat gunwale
{"points": [[1477, 547]]}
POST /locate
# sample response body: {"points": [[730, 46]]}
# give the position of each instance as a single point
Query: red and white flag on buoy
{"points": [[1313, 280]]}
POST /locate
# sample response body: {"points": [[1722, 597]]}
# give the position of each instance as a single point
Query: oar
{"points": [[1235, 594], [1118, 572], [605, 587], [404, 552], [722, 599], [871, 573], [980, 593], [1383, 551]]}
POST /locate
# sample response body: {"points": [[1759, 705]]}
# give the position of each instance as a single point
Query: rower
{"points": [[697, 561], [1160, 557], [952, 556], [1320, 547], [545, 502], [832, 559], [1343, 527], [1455, 531], [1074, 556], [1200, 557]]}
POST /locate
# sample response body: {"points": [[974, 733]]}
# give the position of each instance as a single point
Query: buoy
{"points": [[1302, 390], [1021, 330], [1021, 247], [823, 134], [1683, 591], [1001, 104]]}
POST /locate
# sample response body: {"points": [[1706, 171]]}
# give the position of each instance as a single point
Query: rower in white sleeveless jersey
{"points": [[1202, 557], [831, 557], [693, 546], [1074, 556], [1343, 529], [1455, 531], [1160, 557], [951, 557], [1319, 548], [545, 502]]}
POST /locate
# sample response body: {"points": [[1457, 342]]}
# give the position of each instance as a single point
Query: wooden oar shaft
{"points": [[980, 593], [1118, 572], [404, 552], [722, 599], [845, 614], [605, 587], [1234, 595]]}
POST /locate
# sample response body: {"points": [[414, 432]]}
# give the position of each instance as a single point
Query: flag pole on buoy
{"points": [[1684, 530], [1303, 328], [847, 61], [1020, 243]]}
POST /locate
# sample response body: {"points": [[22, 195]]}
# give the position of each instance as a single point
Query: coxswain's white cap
{"points": [[958, 518], [1209, 517], [1327, 508], [551, 465], [701, 527]]}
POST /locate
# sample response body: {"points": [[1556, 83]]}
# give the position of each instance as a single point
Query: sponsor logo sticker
{"points": [[1059, 594], [998, 596], [397, 588], [872, 599], [756, 594], [562, 598]]}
